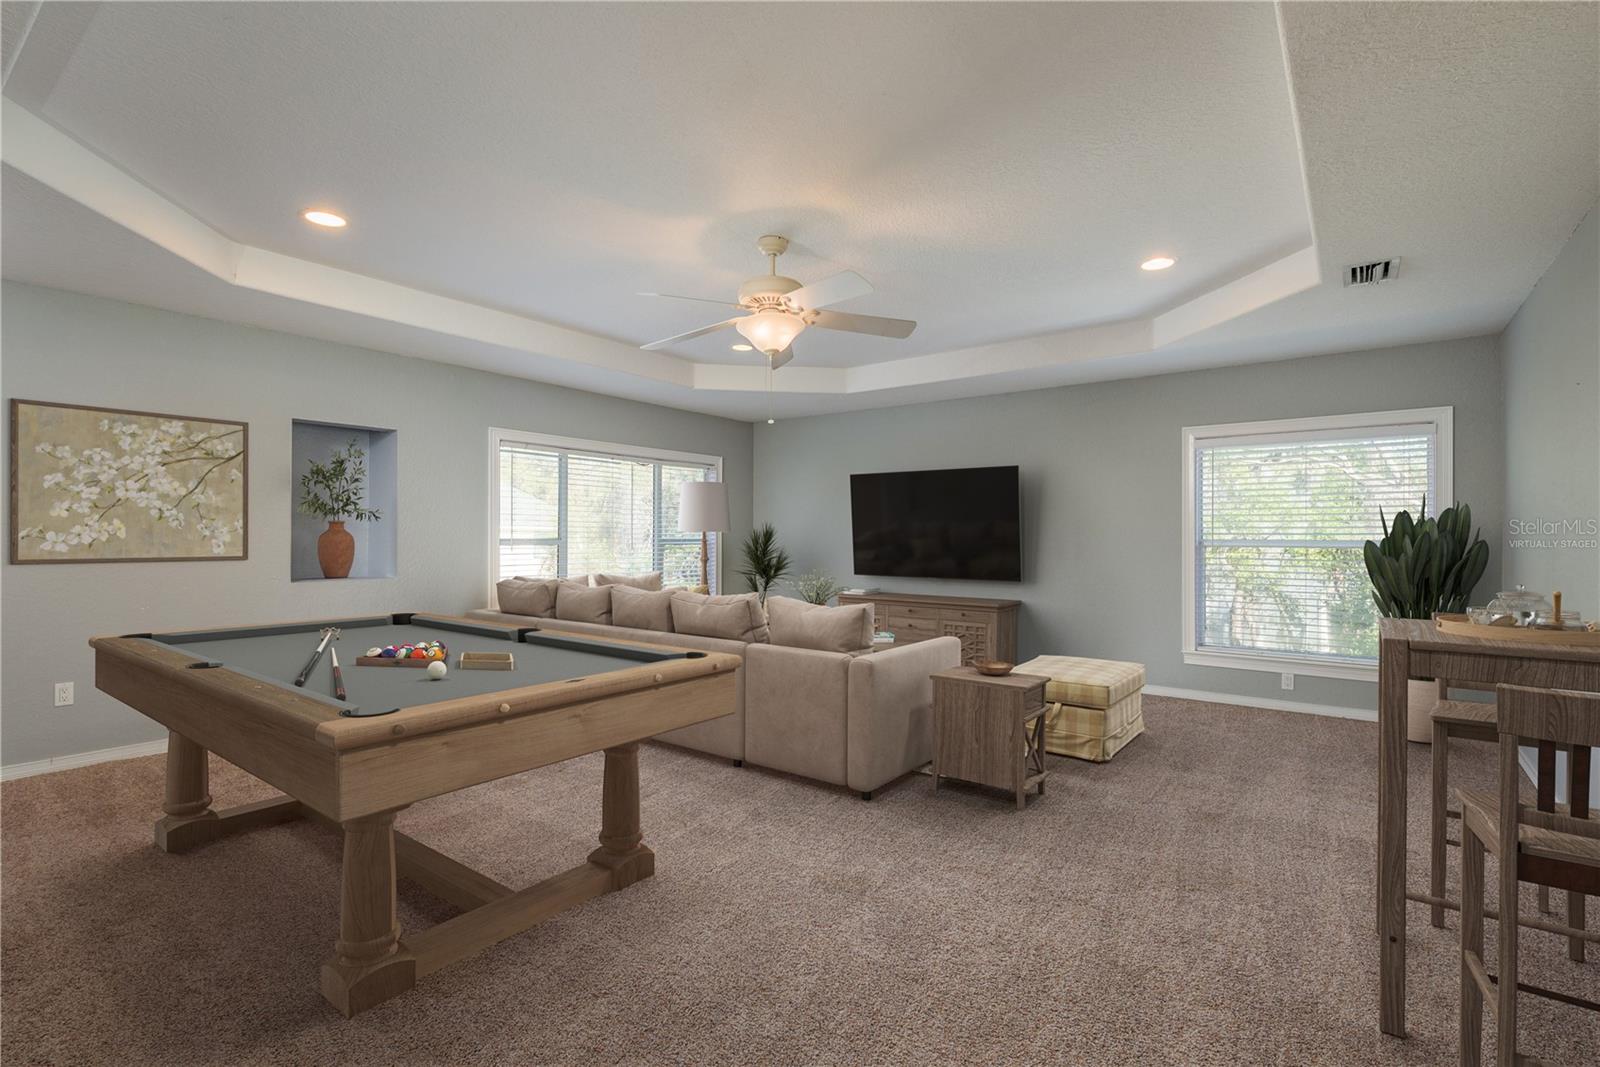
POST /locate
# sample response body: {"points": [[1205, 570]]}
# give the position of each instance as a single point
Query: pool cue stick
{"points": [[338, 677], [305, 672]]}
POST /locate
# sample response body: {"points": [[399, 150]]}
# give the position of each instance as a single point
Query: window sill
{"points": [[1282, 664]]}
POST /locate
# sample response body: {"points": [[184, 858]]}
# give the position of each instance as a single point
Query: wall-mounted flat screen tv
{"points": [[962, 523]]}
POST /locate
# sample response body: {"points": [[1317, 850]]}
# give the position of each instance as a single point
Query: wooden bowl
{"points": [[994, 668]]}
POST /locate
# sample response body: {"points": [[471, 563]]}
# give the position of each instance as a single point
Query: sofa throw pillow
{"points": [[528, 596], [801, 625], [584, 603], [735, 618], [651, 581], [641, 609]]}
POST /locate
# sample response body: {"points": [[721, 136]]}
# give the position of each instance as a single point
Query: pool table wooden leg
{"points": [[621, 849], [189, 821], [369, 964]]}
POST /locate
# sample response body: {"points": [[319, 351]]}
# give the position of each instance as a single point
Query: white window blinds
{"points": [[1279, 521], [565, 511]]}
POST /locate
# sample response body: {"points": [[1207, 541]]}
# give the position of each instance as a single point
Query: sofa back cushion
{"points": [[650, 582], [584, 603], [801, 625], [528, 596], [641, 609], [736, 618]]}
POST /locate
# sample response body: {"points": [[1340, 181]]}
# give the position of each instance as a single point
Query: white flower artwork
{"points": [[98, 485]]}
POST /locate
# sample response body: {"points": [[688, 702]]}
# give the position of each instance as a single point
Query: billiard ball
{"points": [[419, 653], [374, 651], [437, 669]]}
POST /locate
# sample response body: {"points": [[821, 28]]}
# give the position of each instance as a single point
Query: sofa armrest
{"points": [[889, 726]]}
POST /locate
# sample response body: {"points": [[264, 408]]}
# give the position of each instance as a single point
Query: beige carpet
{"points": [[1204, 899]]}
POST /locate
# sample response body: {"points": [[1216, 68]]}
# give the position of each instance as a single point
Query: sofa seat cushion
{"points": [[640, 609], [583, 603], [1086, 683], [734, 618], [650, 582], [798, 624], [535, 597]]}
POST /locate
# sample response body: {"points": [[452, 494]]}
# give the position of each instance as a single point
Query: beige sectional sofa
{"points": [[841, 713]]}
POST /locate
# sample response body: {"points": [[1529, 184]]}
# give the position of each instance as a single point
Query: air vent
{"points": [[1374, 273]]}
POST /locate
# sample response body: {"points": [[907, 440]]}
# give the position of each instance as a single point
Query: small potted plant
{"points": [[334, 491], [1419, 568], [765, 561], [815, 587]]}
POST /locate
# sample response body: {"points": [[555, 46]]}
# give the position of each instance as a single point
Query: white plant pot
{"points": [[1421, 699]]}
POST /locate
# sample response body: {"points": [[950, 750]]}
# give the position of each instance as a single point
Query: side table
{"points": [[989, 730]]}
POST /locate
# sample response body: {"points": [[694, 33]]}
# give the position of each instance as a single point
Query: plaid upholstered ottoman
{"points": [[1093, 704]]}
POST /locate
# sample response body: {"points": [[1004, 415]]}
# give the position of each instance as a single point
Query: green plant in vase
{"points": [[1422, 567], [816, 587], [765, 561], [336, 491], [1419, 568]]}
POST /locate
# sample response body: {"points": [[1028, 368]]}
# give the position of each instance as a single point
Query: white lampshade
{"points": [[703, 507], [770, 331]]}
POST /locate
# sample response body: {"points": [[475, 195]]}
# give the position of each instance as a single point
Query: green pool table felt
{"points": [[279, 653]]}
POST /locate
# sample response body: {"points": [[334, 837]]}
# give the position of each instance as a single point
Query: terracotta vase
{"points": [[336, 550]]}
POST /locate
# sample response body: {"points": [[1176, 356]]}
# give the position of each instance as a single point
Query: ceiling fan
{"points": [[777, 309]]}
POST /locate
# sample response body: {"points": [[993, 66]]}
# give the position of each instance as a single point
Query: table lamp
{"points": [[703, 509]]}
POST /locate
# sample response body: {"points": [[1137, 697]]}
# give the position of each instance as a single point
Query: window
{"points": [[1275, 516], [563, 507]]}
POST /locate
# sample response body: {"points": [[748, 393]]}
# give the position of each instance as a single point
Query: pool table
{"points": [[400, 737]]}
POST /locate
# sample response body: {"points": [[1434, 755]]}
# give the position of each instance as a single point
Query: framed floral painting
{"points": [[102, 485]]}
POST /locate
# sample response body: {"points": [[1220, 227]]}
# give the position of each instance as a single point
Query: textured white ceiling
{"points": [[996, 170]]}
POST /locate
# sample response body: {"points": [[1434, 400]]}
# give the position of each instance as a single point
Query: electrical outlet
{"points": [[1286, 680], [63, 694]]}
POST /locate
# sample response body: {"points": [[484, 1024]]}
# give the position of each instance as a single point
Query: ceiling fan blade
{"points": [[696, 299], [846, 285], [874, 324], [782, 358], [664, 342]]}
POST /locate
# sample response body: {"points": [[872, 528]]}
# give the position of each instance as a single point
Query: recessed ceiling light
{"points": [[1157, 263], [744, 348], [324, 218]]}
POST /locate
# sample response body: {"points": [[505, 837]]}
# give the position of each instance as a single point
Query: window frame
{"points": [[1196, 437], [501, 435]]}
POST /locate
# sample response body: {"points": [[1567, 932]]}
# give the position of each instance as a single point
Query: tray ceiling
{"points": [[516, 174]]}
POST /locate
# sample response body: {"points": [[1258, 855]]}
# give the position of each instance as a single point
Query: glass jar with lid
{"points": [[1518, 605]]}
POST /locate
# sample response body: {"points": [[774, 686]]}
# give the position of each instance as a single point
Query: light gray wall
{"points": [[1102, 488], [1550, 354], [66, 347]]}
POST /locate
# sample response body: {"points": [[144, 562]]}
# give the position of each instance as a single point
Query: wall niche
{"points": [[375, 541]]}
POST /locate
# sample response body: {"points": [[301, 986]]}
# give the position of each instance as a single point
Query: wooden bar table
{"points": [[1417, 649]]}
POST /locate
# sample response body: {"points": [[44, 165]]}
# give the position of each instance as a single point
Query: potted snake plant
{"points": [[1423, 566]]}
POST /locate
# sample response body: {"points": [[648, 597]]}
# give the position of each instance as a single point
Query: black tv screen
{"points": [[963, 523]]}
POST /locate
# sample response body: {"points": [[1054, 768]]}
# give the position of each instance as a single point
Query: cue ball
{"points": [[437, 669]]}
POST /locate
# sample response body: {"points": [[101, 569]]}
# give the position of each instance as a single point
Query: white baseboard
{"points": [[1330, 710], [82, 759]]}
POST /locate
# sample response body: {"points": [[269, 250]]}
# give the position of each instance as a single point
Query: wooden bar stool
{"points": [[1549, 844]]}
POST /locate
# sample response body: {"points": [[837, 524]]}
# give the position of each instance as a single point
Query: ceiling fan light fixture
{"points": [[770, 331]]}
